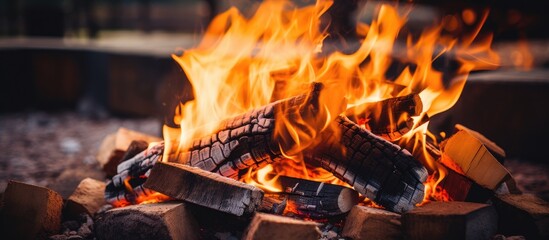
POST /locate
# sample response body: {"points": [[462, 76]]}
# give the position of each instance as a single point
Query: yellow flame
{"points": [[244, 63]]}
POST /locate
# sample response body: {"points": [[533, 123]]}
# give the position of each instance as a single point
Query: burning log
{"points": [[310, 199], [450, 220], [126, 187], [376, 168], [267, 226], [114, 146], [383, 118], [249, 140], [204, 188], [167, 220]]}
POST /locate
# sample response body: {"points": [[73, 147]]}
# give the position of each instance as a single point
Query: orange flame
{"points": [[244, 63]]}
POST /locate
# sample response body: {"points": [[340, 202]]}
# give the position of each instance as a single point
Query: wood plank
{"points": [[30, 212], [523, 214], [167, 220], [450, 220], [268, 226], [204, 188], [372, 223]]}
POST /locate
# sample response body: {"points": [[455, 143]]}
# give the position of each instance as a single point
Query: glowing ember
{"points": [[244, 63]]}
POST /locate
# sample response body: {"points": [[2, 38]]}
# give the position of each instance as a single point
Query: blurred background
{"points": [[73, 71]]}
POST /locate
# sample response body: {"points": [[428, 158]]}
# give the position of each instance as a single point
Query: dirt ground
{"points": [[57, 150]]}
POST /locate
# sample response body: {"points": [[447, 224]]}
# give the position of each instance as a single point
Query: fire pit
{"points": [[301, 130]]}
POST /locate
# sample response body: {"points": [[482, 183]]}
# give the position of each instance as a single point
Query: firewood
{"points": [[382, 171], [450, 220], [250, 140], [30, 212], [136, 147], [460, 188], [523, 214], [382, 118], [268, 226], [204, 188], [496, 150], [372, 223], [167, 220], [315, 200], [114, 146], [88, 197], [474, 159]]}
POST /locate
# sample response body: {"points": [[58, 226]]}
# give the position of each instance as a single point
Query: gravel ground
{"points": [[57, 150]]}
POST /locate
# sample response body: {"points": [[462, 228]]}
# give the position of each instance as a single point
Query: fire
{"points": [[245, 63]]}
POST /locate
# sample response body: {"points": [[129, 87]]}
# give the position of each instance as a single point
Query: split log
{"points": [[114, 146], [204, 188], [450, 220], [309, 199], [523, 214], [88, 197], [475, 159], [382, 171], [372, 223], [460, 188], [167, 220], [267, 226], [382, 118], [30, 212]]}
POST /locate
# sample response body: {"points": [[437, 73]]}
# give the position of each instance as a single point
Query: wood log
{"points": [[268, 226], [450, 220], [460, 188], [523, 214], [30, 212], [87, 198], [309, 199], [382, 171], [113, 147], [372, 223], [250, 140], [474, 159], [167, 220], [204, 188], [382, 118]]}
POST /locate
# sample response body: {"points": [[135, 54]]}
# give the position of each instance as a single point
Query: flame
{"points": [[244, 63]]}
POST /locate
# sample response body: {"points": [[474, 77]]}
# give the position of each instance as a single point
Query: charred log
{"points": [[390, 118], [376, 168], [310, 199]]}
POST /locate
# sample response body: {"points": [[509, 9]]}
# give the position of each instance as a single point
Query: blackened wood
{"points": [[167, 220], [204, 188], [268, 226], [249, 140], [382, 171], [450, 220], [523, 214], [382, 118], [460, 188], [316, 200], [30, 212], [372, 223], [135, 148]]}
